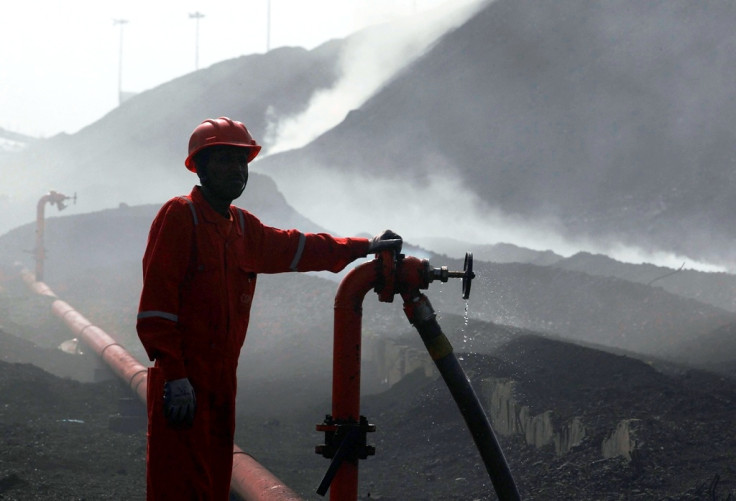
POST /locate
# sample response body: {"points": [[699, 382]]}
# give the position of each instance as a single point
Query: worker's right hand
{"points": [[180, 402], [388, 240]]}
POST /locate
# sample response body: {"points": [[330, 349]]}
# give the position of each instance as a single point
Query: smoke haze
{"points": [[368, 60], [454, 133], [440, 206]]}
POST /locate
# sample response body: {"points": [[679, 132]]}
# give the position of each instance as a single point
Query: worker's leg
{"points": [[177, 459]]}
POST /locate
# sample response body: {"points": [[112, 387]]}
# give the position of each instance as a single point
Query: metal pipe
{"points": [[122, 363], [40, 253], [389, 275], [346, 367], [250, 480]]}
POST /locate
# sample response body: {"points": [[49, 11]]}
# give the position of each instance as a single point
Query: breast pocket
{"points": [[245, 287]]}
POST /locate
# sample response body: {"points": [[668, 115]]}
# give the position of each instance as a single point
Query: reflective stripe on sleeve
{"points": [[299, 251], [158, 314]]}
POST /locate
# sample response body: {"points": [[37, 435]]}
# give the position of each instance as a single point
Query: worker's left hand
{"points": [[388, 240], [180, 402]]}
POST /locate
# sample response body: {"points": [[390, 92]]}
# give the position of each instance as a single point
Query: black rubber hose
{"points": [[440, 350]]}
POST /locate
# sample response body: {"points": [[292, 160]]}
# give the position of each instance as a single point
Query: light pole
{"points": [[196, 16], [268, 25], [121, 23]]}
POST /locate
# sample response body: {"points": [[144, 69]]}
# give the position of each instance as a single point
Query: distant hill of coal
{"points": [[608, 123], [611, 121], [94, 259], [715, 288]]}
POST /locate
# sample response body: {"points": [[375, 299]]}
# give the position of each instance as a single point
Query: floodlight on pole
{"points": [[121, 23], [196, 16]]}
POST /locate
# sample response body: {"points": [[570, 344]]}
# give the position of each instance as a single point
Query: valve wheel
{"points": [[468, 274]]}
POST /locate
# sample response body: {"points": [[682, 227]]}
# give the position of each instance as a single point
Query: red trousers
{"points": [[194, 463]]}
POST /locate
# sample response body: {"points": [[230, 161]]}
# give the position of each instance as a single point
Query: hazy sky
{"points": [[60, 61]]}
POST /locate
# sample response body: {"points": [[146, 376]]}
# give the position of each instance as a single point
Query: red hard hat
{"points": [[221, 131]]}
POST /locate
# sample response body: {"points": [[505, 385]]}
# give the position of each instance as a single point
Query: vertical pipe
{"points": [[346, 367], [40, 252]]}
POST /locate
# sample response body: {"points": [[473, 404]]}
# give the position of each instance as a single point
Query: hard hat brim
{"points": [[252, 152]]}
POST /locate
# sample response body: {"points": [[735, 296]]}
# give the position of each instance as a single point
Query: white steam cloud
{"points": [[440, 207], [368, 61]]}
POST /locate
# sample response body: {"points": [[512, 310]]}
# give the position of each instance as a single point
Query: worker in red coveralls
{"points": [[199, 275]]}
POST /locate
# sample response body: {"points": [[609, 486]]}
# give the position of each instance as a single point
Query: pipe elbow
{"points": [[355, 286]]}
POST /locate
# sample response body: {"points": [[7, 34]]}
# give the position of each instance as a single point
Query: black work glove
{"points": [[179, 402], [388, 240]]}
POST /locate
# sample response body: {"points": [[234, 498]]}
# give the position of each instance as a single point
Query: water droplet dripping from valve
{"points": [[465, 326]]}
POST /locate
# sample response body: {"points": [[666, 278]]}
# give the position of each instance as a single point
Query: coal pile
{"points": [[59, 411], [57, 445], [684, 432], [56, 441]]}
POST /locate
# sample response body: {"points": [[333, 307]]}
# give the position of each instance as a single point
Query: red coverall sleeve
{"points": [[278, 251], [165, 265]]}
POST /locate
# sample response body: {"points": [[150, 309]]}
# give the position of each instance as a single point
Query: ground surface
{"points": [[57, 441]]}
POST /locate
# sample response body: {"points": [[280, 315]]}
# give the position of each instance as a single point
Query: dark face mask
{"points": [[226, 173]]}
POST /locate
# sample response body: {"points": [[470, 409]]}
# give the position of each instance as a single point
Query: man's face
{"points": [[227, 171]]}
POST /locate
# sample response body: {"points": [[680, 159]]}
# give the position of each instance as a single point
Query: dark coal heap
{"points": [[577, 417]]}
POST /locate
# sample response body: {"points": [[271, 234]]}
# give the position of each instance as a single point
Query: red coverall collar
{"points": [[210, 215]]}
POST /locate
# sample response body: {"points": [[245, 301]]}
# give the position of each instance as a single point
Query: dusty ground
{"points": [[57, 441], [425, 452]]}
